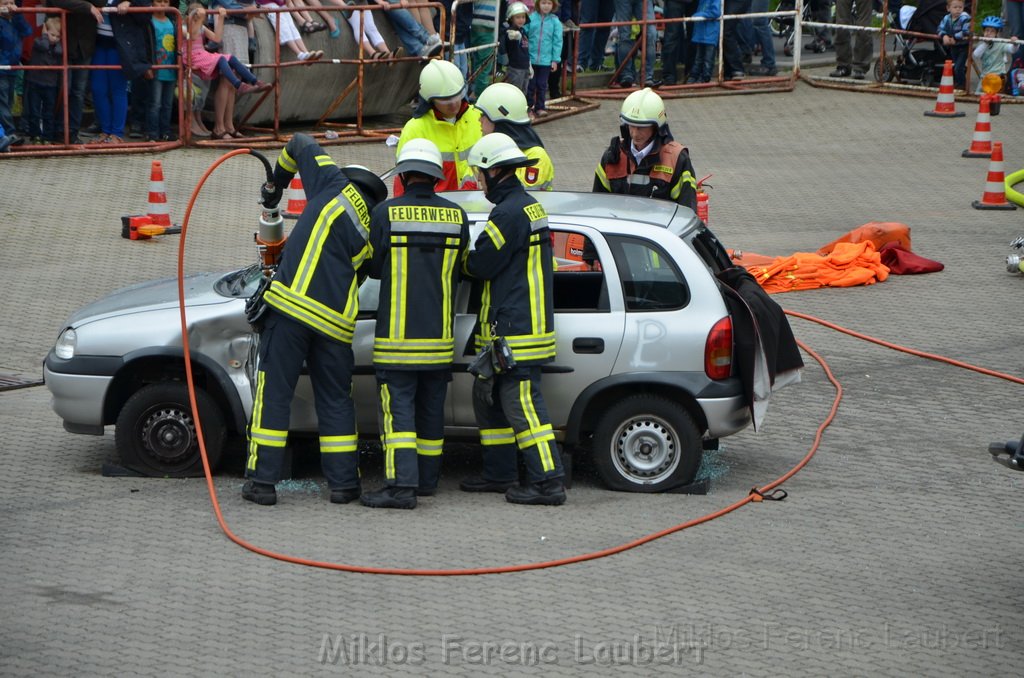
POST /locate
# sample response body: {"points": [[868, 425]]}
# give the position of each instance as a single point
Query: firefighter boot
{"points": [[259, 493], [547, 492], [345, 495], [391, 497]]}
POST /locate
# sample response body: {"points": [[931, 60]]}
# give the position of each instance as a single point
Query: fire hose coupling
{"points": [[1015, 262]]}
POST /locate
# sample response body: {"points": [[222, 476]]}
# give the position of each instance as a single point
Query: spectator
{"points": [[630, 10], [705, 41], [857, 13], [955, 32], [514, 45], [1015, 17], [732, 50], [503, 109], [677, 35], [373, 43], [413, 36], [123, 40], [463, 26], [200, 90], [41, 87], [237, 27], [13, 29], [568, 14], [302, 14], [485, 18], [993, 58], [161, 92], [821, 11], [761, 33], [287, 34], [544, 31], [82, 19], [594, 40]]}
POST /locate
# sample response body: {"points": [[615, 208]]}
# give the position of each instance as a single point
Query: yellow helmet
{"points": [[441, 80], [498, 150], [503, 101], [644, 107]]}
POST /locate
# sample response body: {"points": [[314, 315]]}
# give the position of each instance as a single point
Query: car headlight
{"points": [[66, 342]]}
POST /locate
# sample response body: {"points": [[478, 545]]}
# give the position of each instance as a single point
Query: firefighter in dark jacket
{"points": [[418, 241], [513, 258], [645, 159], [313, 301]]}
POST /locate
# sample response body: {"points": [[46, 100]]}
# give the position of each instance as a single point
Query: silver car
{"points": [[642, 382]]}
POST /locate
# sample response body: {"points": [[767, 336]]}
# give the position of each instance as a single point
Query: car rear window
{"points": [[651, 281]]}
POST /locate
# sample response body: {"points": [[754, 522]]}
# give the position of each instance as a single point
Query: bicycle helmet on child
{"points": [[992, 22]]}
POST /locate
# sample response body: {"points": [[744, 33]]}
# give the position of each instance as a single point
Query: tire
{"points": [[885, 69], [156, 433], [646, 444]]}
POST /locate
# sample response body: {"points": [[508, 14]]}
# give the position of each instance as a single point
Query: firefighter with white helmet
{"points": [[503, 109], [512, 256], [445, 117], [418, 241], [311, 319], [645, 159]]}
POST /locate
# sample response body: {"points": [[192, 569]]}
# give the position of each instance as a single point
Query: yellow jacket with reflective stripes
{"points": [[316, 282], [418, 242], [453, 139], [539, 177], [513, 257]]}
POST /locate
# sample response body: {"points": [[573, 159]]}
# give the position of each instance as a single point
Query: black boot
{"points": [[548, 492], [259, 493], [481, 484], [345, 495], [391, 497]]}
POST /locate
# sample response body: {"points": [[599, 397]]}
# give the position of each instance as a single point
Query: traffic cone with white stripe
{"points": [[994, 197], [158, 211], [296, 198], [981, 142], [945, 105]]}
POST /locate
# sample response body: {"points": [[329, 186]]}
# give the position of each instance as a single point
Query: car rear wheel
{"points": [[646, 444], [156, 432]]}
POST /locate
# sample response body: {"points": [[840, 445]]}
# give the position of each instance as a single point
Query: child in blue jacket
{"points": [[955, 31], [705, 41], [13, 29], [544, 31]]}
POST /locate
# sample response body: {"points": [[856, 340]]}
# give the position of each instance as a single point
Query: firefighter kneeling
{"points": [[513, 257]]}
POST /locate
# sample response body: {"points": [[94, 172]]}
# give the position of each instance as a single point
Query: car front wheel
{"points": [[156, 432], [646, 444]]}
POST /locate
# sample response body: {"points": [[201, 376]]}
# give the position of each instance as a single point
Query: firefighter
{"points": [[503, 109], [512, 256], [418, 242], [445, 117], [645, 159], [313, 301]]}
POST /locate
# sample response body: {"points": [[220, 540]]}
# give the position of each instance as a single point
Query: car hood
{"points": [[153, 295]]}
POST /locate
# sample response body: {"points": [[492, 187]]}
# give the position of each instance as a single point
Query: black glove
{"points": [[483, 390], [270, 195], [615, 150]]}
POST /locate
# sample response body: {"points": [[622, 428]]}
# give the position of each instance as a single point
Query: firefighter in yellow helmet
{"points": [[503, 109], [418, 241], [644, 159], [512, 255], [445, 117]]}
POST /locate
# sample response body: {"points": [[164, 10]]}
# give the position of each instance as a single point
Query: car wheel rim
{"points": [[646, 450], [168, 434]]}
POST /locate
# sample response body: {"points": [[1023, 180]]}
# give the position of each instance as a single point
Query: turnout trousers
{"points": [[284, 345], [412, 425], [517, 419]]}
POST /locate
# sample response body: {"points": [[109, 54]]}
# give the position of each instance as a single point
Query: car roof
{"points": [[577, 204]]}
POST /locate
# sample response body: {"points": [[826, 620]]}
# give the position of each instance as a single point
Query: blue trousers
{"points": [[109, 92], [412, 425]]}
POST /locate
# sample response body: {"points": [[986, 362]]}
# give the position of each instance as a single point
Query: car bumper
{"points": [[79, 388], [725, 416]]}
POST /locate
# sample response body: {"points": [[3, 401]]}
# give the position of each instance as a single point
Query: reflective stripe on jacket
{"points": [[453, 140], [665, 173]]}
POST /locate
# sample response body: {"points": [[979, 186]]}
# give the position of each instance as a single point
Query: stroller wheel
{"points": [[885, 69]]}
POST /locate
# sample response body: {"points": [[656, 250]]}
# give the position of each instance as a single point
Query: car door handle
{"points": [[588, 345]]}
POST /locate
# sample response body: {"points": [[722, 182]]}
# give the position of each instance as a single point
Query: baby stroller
{"points": [[782, 26], [909, 62]]}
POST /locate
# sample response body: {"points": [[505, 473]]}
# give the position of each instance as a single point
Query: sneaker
{"points": [[432, 50], [546, 493], [858, 74], [91, 131], [652, 83], [840, 72], [345, 495], [736, 75], [481, 484], [391, 497], [622, 84], [818, 46], [263, 494], [135, 133], [763, 71], [434, 40]]}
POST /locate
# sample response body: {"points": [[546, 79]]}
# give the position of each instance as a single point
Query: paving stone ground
{"points": [[896, 552]]}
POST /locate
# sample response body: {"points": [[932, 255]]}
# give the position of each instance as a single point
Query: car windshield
{"points": [[240, 283]]}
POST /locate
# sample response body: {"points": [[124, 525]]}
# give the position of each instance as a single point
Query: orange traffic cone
{"points": [[994, 197], [981, 142], [296, 198], [945, 105], [158, 212]]}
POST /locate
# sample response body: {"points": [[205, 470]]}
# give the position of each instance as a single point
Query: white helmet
{"points": [[441, 80], [420, 155], [503, 101], [498, 150], [644, 107], [516, 8]]}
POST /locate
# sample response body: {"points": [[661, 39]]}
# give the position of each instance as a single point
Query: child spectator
{"points": [[288, 35], [41, 87], [954, 30], [993, 58], [161, 92], [705, 41], [544, 31], [514, 44], [125, 41], [13, 29]]}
